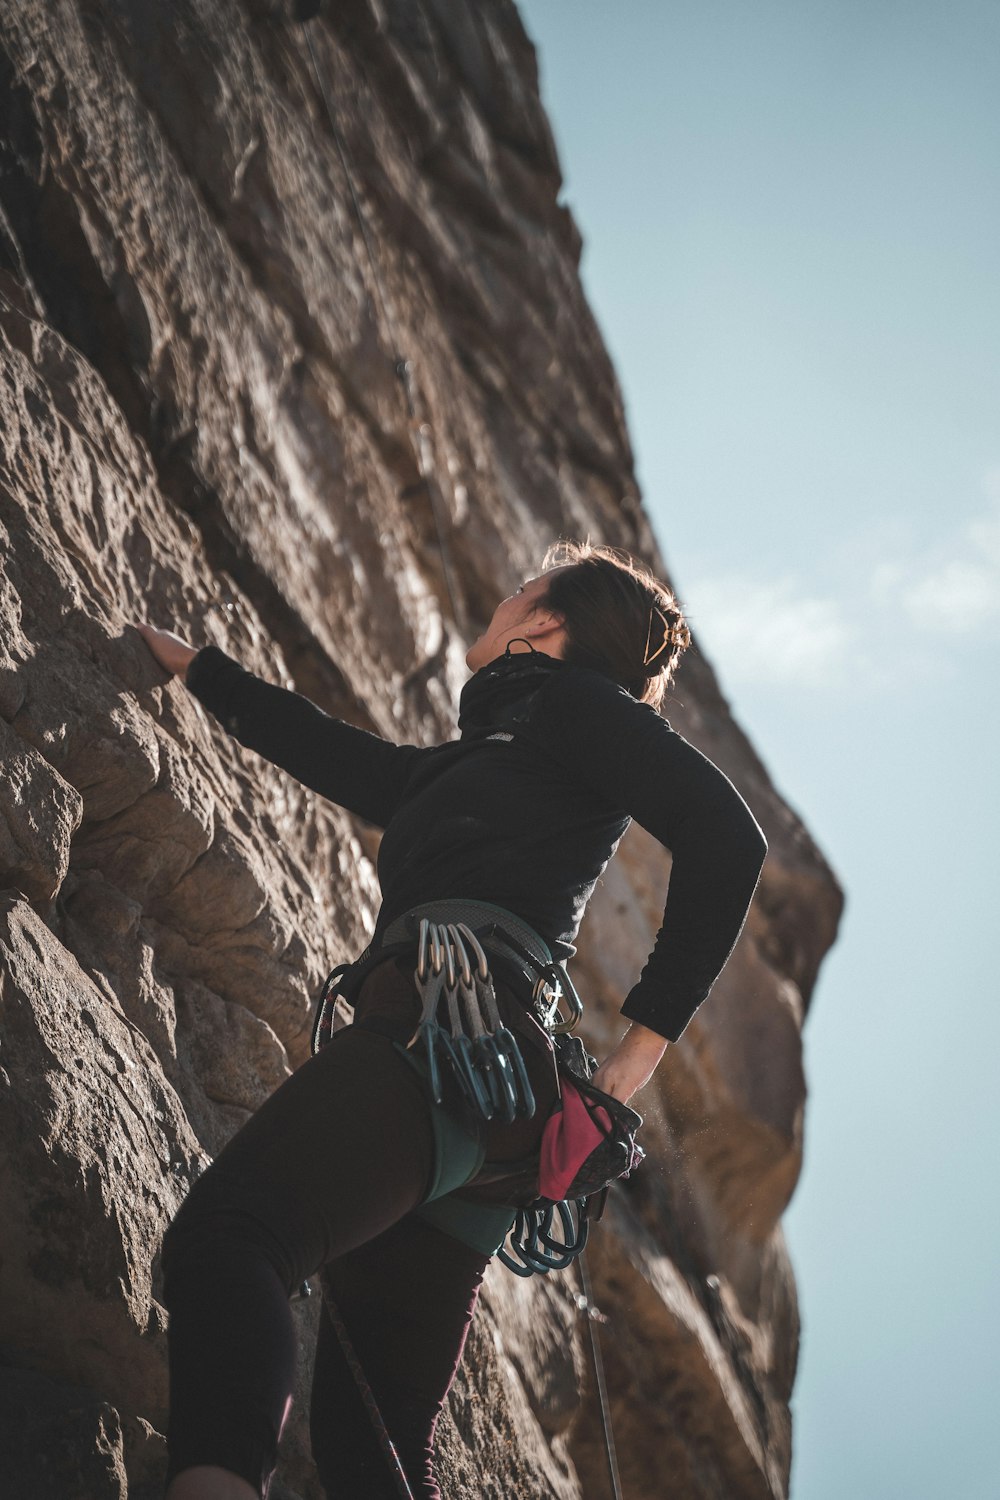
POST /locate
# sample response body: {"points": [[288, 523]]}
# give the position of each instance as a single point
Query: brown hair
{"points": [[620, 619]]}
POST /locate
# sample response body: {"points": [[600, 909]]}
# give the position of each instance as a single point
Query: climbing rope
{"points": [[586, 1305], [367, 1395], [420, 431]]}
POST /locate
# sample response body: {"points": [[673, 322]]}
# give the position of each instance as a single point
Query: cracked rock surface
{"points": [[203, 424]]}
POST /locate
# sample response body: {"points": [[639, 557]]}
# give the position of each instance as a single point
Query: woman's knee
{"points": [[221, 1226]]}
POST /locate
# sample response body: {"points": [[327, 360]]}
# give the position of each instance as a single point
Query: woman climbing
{"points": [[351, 1168]]}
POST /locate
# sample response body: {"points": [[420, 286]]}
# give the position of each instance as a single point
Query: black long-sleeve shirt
{"points": [[527, 807]]}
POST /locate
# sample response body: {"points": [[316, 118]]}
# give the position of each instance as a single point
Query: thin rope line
{"points": [[602, 1390], [403, 366], [367, 1395]]}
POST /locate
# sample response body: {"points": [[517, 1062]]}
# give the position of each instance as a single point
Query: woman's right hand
{"points": [[173, 654]]}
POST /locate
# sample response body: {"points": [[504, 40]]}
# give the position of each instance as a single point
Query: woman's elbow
{"points": [[741, 842], [753, 849]]}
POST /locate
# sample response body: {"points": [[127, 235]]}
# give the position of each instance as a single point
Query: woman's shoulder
{"points": [[582, 690]]}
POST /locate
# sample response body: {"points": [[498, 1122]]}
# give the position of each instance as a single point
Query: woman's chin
{"points": [[480, 653]]}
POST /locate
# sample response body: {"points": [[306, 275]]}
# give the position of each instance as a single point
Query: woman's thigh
{"points": [[341, 1151]]}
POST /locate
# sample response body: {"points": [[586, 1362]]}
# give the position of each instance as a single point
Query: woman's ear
{"points": [[545, 622]]}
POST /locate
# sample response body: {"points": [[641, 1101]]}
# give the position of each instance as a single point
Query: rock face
{"points": [[202, 423]]}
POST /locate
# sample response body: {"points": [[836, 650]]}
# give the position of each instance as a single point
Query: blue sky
{"points": [[791, 215]]}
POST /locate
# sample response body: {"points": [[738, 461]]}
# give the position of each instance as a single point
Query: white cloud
{"points": [[957, 598], [955, 590], [889, 616], [771, 632]]}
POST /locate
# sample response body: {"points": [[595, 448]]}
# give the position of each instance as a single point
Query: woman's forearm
{"points": [[352, 767], [632, 1063]]}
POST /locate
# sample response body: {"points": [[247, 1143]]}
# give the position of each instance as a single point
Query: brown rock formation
{"points": [[200, 423]]}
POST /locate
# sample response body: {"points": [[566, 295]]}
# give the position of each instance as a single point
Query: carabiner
{"points": [[477, 948], [463, 958], [499, 1077], [513, 1053]]}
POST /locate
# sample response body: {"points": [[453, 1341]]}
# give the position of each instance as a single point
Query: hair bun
{"points": [[618, 617], [674, 637]]}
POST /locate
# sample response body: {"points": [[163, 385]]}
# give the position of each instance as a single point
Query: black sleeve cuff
{"points": [[211, 678], [667, 1021]]}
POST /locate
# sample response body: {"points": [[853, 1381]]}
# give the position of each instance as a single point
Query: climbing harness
{"points": [[524, 959], [420, 431], [473, 1069]]}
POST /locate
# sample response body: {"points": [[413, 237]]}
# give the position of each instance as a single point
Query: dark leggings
{"points": [[324, 1176]]}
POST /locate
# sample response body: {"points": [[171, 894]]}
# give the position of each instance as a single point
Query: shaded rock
{"points": [[57, 1441]]}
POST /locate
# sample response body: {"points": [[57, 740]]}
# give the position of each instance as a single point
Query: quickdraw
{"points": [[531, 1249], [482, 1053]]}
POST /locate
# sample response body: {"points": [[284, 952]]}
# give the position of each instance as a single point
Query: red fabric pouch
{"points": [[574, 1130]]}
